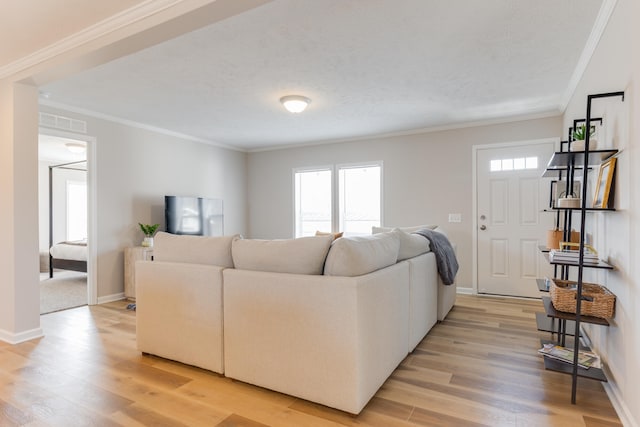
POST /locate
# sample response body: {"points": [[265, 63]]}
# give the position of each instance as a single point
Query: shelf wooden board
{"points": [[554, 210], [552, 312], [554, 172], [562, 159], [600, 264], [545, 323], [543, 249], [567, 368], [549, 324]]}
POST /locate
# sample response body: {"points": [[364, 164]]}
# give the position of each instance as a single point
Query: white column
{"points": [[19, 267]]}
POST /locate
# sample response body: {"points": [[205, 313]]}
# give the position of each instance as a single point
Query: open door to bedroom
{"points": [[63, 222]]}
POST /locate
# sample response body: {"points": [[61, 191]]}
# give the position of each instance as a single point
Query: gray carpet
{"points": [[67, 289]]}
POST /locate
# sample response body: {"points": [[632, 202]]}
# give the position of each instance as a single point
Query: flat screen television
{"points": [[196, 216]]}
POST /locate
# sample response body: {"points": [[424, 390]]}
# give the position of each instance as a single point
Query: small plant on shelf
{"points": [[580, 133], [149, 231]]}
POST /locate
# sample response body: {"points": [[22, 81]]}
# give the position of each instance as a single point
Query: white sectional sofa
{"points": [[324, 321]]}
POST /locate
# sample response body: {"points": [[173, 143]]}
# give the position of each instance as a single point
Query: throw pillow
{"points": [[334, 235]]}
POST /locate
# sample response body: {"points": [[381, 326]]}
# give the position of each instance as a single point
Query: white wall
{"points": [[136, 168], [19, 307], [615, 66], [426, 177]]}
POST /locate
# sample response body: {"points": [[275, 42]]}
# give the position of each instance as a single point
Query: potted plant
{"points": [[579, 135], [149, 231]]}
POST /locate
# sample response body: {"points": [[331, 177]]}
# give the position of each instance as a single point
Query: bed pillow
{"points": [[358, 255], [193, 249], [304, 255]]}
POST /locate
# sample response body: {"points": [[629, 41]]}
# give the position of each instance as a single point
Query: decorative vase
{"points": [[147, 242], [579, 145]]}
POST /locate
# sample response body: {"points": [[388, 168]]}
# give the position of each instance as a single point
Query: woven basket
{"points": [[600, 301]]}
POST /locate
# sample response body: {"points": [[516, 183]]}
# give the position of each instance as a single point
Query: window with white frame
{"points": [[499, 165], [345, 198], [313, 201], [76, 210]]}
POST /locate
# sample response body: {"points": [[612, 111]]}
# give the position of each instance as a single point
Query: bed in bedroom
{"points": [[65, 255], [68, 256]]}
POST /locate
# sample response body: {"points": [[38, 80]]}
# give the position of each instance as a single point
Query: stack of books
{"points": [[586, 359], [556, 255]]}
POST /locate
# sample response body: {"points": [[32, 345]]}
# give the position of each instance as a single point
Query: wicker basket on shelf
{"points": [[599, 302]]}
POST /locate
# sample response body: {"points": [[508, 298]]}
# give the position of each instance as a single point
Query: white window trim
{"points": [[293, 190], [335, 176]]}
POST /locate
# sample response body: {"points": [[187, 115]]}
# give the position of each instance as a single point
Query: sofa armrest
{"points": [[179, 312], [329, 339]]}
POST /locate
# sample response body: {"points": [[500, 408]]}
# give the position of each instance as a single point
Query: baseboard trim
{"points": [[111, 298], [13, 338], [618, 404], [465, 291], [612, 390]]}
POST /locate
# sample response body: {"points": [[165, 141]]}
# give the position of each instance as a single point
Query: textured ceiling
{"points": [[370, 67]]}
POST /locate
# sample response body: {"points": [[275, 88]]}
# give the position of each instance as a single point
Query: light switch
{"points": [[455, 217]]}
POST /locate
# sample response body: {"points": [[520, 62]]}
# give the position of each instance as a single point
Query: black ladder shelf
{"points": [[564, 164]]}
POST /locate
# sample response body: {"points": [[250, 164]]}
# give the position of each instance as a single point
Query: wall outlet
{"points": [[455, 217]]}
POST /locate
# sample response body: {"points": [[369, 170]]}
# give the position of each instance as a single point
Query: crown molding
{"points": [[109, 25], [606, 10], [134, 124]]}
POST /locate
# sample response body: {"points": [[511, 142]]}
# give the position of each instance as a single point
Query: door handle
{"points": [[483, 227]]}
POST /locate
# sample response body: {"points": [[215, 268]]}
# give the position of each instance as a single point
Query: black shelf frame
{"points": [[568, 162]]}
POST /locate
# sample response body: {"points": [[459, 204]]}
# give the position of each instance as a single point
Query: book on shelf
{"points": [[586, 359], [572, 256]]}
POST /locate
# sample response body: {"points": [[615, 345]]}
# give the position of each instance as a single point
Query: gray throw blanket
{"points": [[445, 255]]}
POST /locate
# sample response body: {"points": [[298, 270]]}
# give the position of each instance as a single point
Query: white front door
{"points": [[511, 195]]}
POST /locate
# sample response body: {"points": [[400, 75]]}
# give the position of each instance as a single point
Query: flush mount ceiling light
{"points": [[295, 103], [75, 147]]}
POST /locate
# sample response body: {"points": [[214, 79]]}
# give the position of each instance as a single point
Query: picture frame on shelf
{"points": [[603, 184]]}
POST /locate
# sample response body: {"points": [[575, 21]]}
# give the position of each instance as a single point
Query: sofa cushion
{"points": [[376, 230], [305, 255], [358, 255], [411, 245], [193, 249]]}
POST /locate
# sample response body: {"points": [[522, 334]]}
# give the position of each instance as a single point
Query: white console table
{"points": [[131, 255]]}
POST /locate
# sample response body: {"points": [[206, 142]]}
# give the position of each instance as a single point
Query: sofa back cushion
{"points": [[193, 249], [411, 245], [358, 255], [305, 255], [376, 230]]}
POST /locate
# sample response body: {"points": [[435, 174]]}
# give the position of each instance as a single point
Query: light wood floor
{"points": [[478, 367]]}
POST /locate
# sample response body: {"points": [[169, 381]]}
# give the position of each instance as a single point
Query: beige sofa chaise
{"points": [[324, 321]]}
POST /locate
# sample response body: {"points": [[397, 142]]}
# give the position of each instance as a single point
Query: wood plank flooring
{"points": [[477, 368]]}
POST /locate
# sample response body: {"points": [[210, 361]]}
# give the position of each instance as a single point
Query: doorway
{"points": [[509, 219], [66, 209]]}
